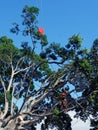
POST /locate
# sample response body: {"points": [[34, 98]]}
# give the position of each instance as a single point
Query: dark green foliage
{"points": [[52, 56], [1, 98], [94, 124], [56, 111], [75, 41], [31, 65], [61, 121], [7, 49]]}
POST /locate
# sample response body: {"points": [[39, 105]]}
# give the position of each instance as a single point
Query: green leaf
{"points": [[56, 111]]}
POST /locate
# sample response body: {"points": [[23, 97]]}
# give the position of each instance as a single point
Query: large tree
{"points": [[32, 77]]}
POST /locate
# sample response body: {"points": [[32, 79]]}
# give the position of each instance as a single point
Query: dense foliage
{"points": [[30, 87]]}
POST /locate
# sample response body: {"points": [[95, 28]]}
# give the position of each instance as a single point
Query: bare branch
{"points": [[3, 114], [11, 78], [24, 69], [12, 101], [18, 63], [3, 85]]}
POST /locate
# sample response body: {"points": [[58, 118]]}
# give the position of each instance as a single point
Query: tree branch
{"points": [[2, 115], [3, 85], [23, 69], [18, 63], [11, 78]]}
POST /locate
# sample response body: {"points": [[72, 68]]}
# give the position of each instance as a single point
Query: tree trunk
{"points": [[10, 126]]}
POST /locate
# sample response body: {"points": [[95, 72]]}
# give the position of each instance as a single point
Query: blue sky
{"points": [[59, 18]]}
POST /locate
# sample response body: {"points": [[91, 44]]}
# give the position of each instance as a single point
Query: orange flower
{"points": [[41, 30]]}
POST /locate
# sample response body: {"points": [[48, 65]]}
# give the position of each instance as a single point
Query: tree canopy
{"points": [[30, 89]]}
